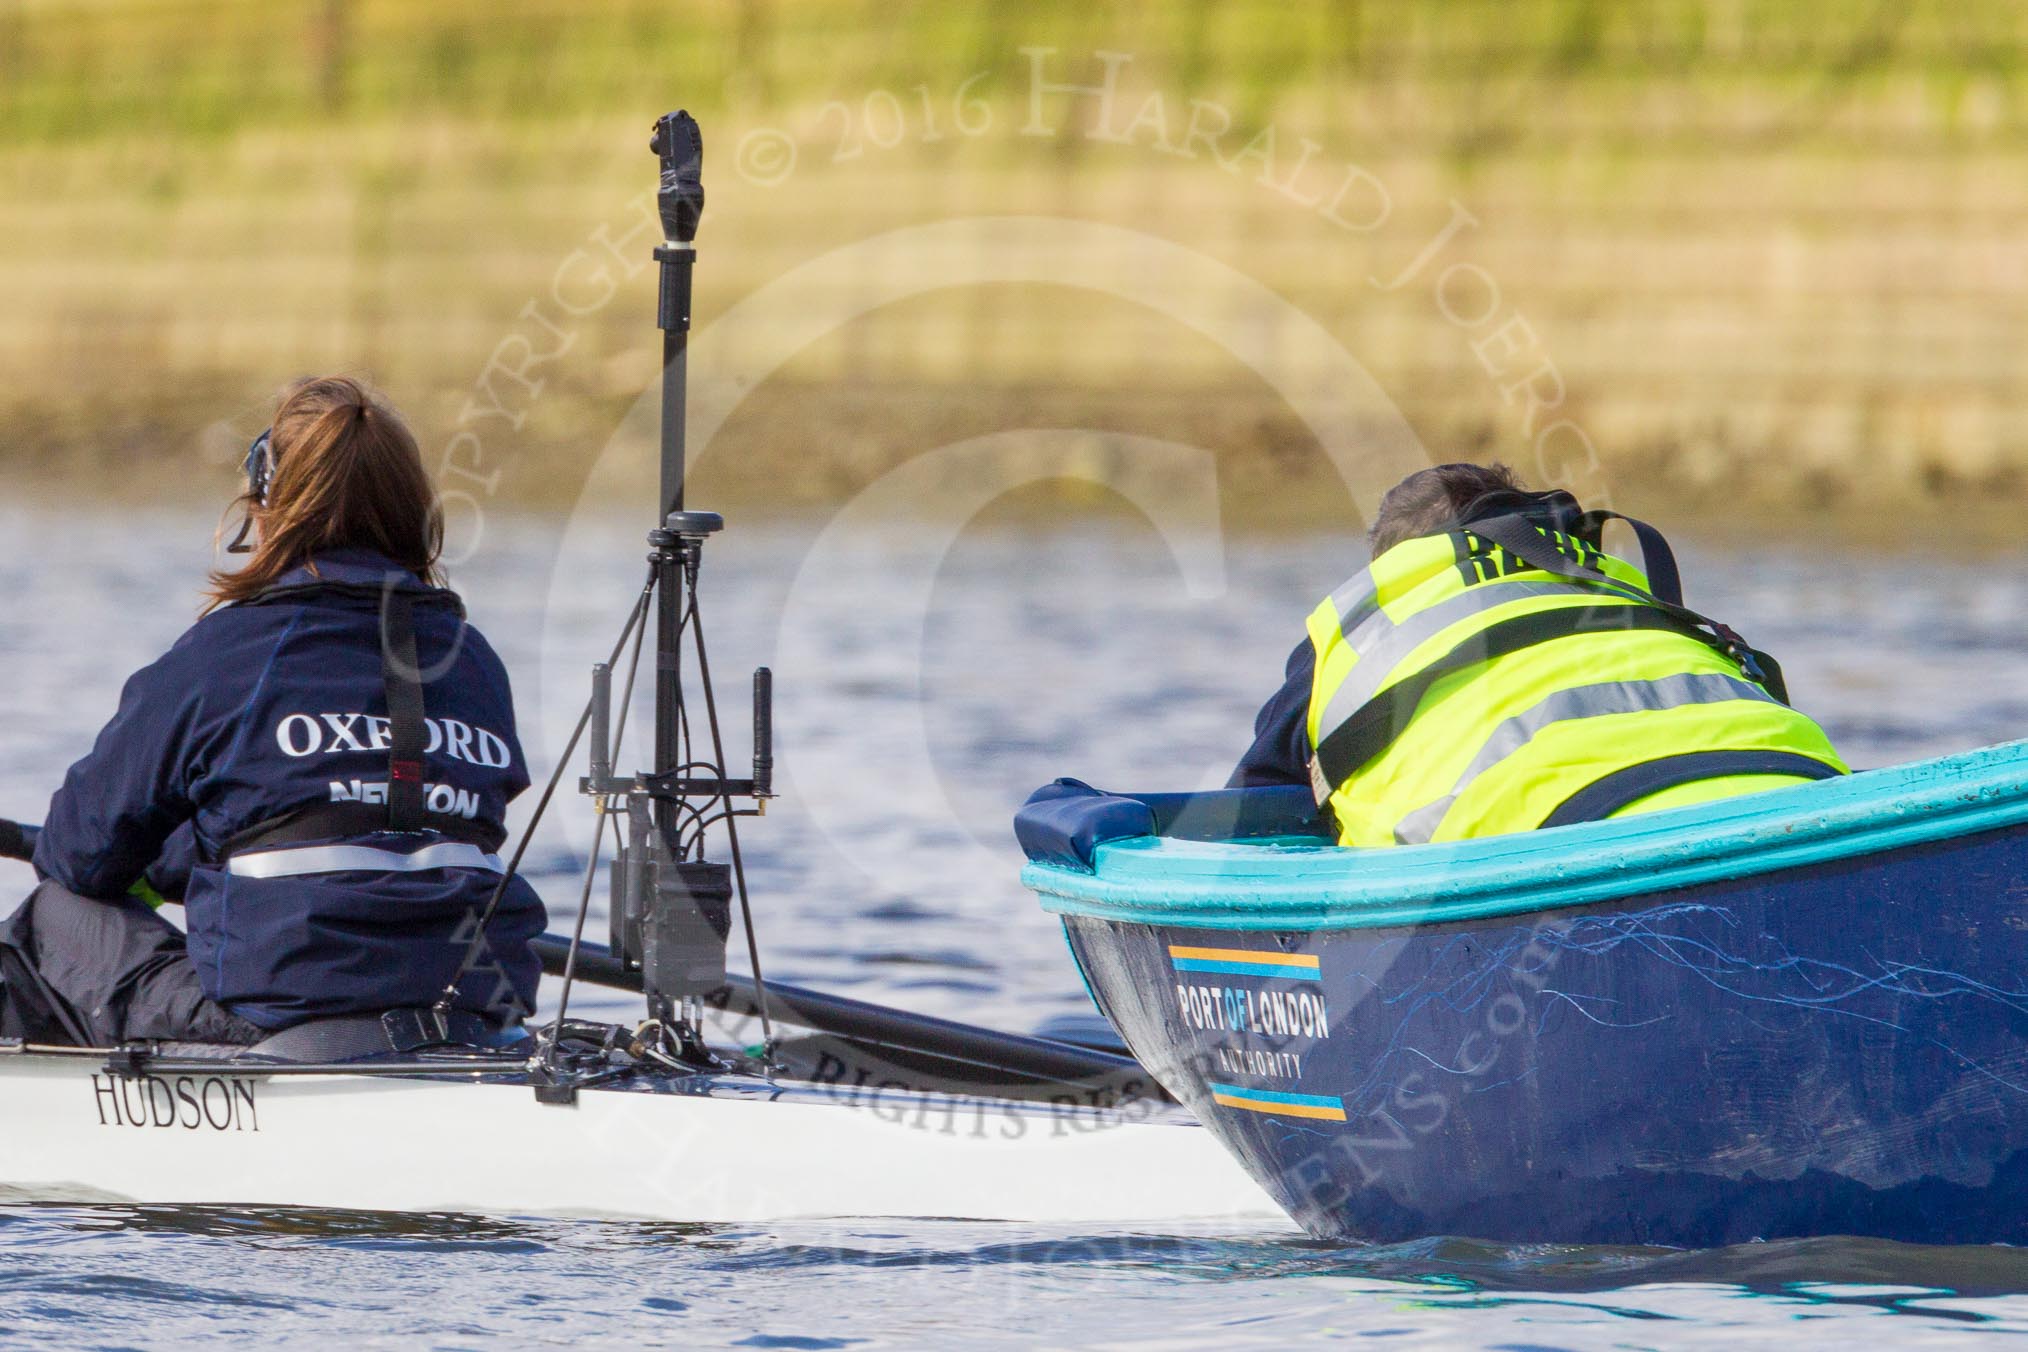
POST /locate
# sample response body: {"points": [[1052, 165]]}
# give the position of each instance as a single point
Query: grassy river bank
{"points": [[1750, 261]]}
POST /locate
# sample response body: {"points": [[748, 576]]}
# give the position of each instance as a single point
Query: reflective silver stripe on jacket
{"points": [[1354, 601], [294, 863], [1381, 645], [1584, 701]]}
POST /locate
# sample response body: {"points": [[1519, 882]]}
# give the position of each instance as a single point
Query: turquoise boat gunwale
{"points": [[1283, 884]]}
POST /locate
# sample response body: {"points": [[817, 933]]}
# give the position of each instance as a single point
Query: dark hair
{"points": [[347, 471], [1432, 500]]}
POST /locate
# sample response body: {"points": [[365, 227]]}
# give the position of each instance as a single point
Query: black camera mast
{"points": [[670, 906]]}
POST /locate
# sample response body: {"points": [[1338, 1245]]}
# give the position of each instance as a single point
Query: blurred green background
{"points": [[1776, 251]]}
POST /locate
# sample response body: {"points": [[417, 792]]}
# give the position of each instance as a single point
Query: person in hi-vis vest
{"points": [[1494, 670]]}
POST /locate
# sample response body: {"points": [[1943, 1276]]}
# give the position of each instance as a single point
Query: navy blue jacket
{"points": [[268, 707], [1280, 753]]}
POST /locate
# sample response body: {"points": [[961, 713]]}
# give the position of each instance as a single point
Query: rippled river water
{"points": [[922, 691]]}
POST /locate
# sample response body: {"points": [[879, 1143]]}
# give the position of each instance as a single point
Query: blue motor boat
{"points": [[1801, 1012]]}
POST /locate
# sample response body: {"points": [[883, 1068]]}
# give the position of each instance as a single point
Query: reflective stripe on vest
{"points": [[1584, 701], [1381, 645], [1461, 690], [308, 859]]}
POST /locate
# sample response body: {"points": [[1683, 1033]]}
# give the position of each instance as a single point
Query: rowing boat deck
{"points": [[703, 1147]]}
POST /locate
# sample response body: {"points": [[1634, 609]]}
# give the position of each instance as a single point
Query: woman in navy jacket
{"points": [[321, 766]]}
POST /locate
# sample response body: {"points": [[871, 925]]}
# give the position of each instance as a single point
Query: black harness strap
{"points": [[1558, 511], [1608, 794], [1521, 538], [1658, 561], [317, 822], [408, 734], [1386, 716]]}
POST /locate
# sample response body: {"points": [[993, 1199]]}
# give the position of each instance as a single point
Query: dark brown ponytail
{"points": [[347, 472]]}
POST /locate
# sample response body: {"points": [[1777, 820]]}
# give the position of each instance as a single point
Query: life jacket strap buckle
{"points": [[1740, 651], [1320, 782]]}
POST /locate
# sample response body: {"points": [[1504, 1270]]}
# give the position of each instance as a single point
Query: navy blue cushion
{"points": [[1064, 822]]}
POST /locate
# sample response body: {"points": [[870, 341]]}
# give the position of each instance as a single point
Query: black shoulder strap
{"points": [[1557, 510], [1520, 537], [407, 733], [1658, 561]]}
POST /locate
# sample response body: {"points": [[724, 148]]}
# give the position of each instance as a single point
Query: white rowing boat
{"points": [[705, 1147]]}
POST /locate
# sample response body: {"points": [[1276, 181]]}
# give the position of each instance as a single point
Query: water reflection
{"points": [[1801, 1278]]}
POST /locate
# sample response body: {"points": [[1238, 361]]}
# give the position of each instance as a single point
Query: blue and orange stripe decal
{"points": [[1245, 962], [1323, 1106]]}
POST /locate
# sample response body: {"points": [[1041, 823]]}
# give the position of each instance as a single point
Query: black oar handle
{"points": [[17, 841], [1029, 1057]]}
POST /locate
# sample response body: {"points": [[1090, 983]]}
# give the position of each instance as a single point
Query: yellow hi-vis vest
{"points": [[1461, 691]]}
